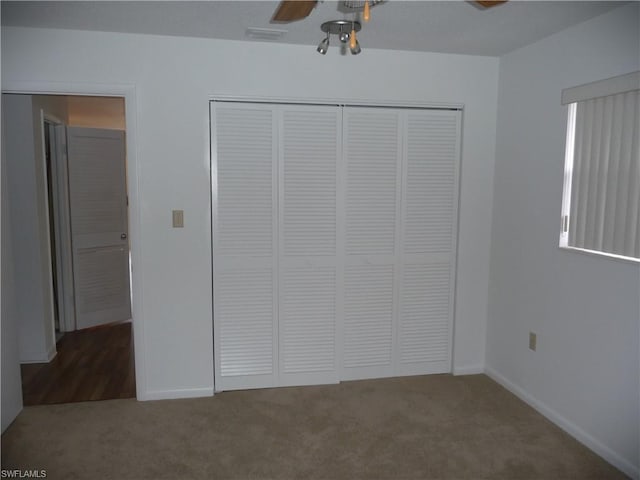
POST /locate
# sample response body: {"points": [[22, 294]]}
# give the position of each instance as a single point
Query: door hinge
{"points": [[565, 223]]}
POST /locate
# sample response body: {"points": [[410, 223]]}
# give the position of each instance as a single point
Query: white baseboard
{"points": [[33, 360], [52, 353], [571, 428], [468, 370], [45, 358], [178, 393]]}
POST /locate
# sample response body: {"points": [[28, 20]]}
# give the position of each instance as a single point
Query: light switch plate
{"points": [[533, 341], [178, 218]]}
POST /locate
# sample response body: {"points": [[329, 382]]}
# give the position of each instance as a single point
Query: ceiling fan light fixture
{"points": [[345, 30], [324, 45]]}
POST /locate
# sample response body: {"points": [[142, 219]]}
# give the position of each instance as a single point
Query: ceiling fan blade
{"points": [[292, 10], [493, 3]]}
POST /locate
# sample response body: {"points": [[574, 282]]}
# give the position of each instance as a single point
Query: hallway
{"points": [[92, 364]]}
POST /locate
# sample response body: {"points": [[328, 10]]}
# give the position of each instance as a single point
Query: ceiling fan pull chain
{"points": [[352, 37]]}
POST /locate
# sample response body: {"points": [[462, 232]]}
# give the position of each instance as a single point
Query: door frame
{"points": [[60, 222], [128, 92]]}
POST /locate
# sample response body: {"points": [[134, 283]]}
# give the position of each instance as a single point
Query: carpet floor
{"points": [[424, 427]]}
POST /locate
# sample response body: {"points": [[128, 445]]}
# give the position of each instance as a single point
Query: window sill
{"points": [[618, 258]]}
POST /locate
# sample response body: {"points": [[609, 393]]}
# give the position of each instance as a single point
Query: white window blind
{"points": [[602, 174]]}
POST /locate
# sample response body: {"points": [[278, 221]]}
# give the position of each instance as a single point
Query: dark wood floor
{"points": [[93, 364]]}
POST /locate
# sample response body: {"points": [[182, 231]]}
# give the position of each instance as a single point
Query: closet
{"points": [[334, 240]]}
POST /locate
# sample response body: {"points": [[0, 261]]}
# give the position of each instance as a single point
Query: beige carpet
{"points": [[433, 427]]}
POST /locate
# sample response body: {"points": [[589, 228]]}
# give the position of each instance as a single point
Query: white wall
{"points": [[27, 202], [174, 79], [11, 381], [584, 309]]}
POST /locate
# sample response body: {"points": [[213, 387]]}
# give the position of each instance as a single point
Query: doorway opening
{"points": [[80, 183]]}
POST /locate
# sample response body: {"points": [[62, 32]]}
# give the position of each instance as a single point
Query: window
{"points": [[601, 200]]}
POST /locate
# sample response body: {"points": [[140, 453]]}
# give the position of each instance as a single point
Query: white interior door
{"points": [[99, 234]]}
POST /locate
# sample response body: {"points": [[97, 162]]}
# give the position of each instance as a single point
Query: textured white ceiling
{"points": [[448, 27]]}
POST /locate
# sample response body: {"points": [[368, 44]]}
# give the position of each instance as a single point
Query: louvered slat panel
{"points": [[102, 270], [368, 316], [309, 147], [424, 313], [309, 139], [372, 150], [430, 182], [244, 139], [246, 325], [97, 188], [429, 230], [307, 321], [371, 146]]}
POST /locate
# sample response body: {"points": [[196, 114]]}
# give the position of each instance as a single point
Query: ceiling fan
{"points": [[292, 10]]}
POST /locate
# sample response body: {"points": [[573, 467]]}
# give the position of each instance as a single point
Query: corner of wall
{"points": [[567, 425], [11, 380], [468, 370]]}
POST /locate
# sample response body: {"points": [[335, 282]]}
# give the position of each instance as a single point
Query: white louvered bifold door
{"points": [[429, 221], [244, 148], [334, 240], [309, 151], [371, 169]]}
